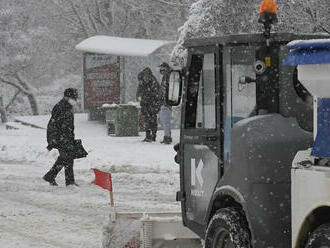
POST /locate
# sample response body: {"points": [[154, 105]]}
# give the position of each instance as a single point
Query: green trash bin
{"points": [[122, 120]]}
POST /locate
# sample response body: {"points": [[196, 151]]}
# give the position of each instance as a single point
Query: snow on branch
{"points": [[172, 3], [16, 85]]}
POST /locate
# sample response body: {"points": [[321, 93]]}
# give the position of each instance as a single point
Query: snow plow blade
{"points": [[147, 230]]}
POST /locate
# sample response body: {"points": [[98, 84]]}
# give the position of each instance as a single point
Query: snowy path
{"points": [[35, 214]]}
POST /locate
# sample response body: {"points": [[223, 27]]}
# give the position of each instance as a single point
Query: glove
{"points": [[49, 147]]}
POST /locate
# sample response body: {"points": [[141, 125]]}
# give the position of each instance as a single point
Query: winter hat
{"points": [[164, 64], [71, 93], [147, 71]]}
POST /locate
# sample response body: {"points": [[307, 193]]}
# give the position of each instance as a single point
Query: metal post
{"points": [[123, 94], [315, 105]]}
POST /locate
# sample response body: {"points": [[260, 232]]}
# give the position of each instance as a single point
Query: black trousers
{"points": [[66, 161], [150, 121]]}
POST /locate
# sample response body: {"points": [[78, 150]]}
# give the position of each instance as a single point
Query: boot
{"points": [[51, 181], [167, 140], [148, 136], [153, 136], [74, 184]]}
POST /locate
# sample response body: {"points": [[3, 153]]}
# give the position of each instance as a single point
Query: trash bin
{"points": [[122, 120]]}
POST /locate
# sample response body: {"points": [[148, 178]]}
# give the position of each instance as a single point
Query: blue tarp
{"points": [[308, 57], [321, 147], [308, 52]]}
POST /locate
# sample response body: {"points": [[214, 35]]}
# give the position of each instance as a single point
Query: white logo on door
{"points": [[196, 172]]}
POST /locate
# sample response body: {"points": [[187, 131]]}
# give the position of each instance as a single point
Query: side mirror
{"points": [[174, 89]]}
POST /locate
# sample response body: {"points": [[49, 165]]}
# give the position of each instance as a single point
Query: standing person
{"points": [[148, 93], [165, 110], [60, 135]]}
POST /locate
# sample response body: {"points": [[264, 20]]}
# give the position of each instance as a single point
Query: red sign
{"points": [[101, 83]]}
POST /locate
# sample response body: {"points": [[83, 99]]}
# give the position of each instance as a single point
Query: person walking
{"points": [[148, 94], [165, 109], [60, 135]]}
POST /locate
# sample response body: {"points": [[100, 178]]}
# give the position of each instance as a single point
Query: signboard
{"points": [[101, 80]]}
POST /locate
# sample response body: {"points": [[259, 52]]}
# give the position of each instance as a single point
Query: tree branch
{"points": [[100, 17], [15, 85], [3, 113], [172, 4], [91, 19], [31, 97], [12, 100], [324, 29], [76, 12]]}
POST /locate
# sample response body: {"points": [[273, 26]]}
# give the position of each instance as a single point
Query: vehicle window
{"points": [[243, 87], [200, 106]]}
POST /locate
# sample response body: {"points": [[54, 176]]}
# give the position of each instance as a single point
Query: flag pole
{"points": [[112, 203], [111, 199]]}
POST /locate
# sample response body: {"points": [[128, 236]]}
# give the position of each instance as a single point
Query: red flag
{"points": [[102, 179]]}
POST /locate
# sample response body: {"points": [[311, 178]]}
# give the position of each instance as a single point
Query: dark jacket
{"points": [[150, 93], [60, 128]]}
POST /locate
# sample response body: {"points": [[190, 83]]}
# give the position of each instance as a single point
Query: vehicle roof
{"points": [[254, 38], [309, 44]]}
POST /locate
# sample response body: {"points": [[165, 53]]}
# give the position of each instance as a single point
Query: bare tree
{"points": [[17, 53], [146, 19], [3, 112], [22, 87]]}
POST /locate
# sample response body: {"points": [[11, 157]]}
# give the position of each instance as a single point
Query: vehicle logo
{"points": [[196, 172]]}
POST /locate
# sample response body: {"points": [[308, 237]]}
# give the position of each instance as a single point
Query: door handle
{"points": [[210, 137]]}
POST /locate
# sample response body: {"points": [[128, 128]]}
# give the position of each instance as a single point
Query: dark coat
{"points": [[151, 95], [60, 128]]}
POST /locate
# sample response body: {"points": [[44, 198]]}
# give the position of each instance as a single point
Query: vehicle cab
{"points": [[244, 117]]}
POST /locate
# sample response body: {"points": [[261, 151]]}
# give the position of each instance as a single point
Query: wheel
{"points": [[320, 238], [228, 229]]}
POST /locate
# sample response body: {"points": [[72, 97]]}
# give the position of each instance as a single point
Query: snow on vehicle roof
{"points": [[313, 43], [121, 46], [308, 52]]}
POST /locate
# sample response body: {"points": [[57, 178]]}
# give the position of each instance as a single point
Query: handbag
{"points": [[79, 151]]}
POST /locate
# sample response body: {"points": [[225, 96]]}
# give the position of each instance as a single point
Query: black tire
{"points": [[320, 238], [228, 229]]}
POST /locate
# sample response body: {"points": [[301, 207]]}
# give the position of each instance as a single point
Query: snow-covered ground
{"points": [[35, 214]]}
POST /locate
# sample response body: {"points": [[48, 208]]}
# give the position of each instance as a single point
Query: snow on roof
{"points": [[308, 52], [309, 44], [121, 46]]}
